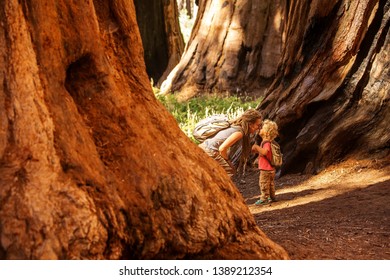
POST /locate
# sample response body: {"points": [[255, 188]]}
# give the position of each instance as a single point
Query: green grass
{"points": [[188, 113]]}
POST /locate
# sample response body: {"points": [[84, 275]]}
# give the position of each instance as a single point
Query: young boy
{"points": [[268, 132]]}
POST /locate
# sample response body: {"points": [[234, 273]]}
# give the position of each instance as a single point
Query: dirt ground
{"points": [[341, 213]]}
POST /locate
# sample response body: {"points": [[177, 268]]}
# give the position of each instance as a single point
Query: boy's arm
{"points": [[257, 149]]}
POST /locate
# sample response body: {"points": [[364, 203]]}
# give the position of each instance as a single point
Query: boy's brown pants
{"points": [[267, 184]]}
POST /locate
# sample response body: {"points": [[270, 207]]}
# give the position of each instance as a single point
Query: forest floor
{"points": [[341, 213]]}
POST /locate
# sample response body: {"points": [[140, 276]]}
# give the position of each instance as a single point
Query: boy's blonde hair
{"points": [[269, 130]]}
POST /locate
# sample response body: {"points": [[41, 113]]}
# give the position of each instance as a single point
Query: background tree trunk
{"points": [[235, 46], [188, 5], [180, 4], [162, 39], [332, 90], [91, 164], [312, 61], [190, 8]]}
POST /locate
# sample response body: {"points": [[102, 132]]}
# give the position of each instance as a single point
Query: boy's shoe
{"points": [[261, 202], [272, 199]]}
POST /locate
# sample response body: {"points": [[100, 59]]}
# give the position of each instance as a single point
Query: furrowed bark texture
{"points": [[91, 164], [235, 46], [331, 95]]}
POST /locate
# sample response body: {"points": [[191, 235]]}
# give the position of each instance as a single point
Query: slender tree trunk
{"points": [[189, 8], [188, 5], [91, 165]]}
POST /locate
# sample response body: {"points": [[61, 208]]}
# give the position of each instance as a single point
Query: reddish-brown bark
{"points": [[91, 164]]}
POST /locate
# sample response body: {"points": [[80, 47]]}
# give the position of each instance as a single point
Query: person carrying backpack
{"points": [[267, 164], [231, 146]]}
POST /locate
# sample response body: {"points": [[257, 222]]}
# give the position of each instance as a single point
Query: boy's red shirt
{"points": [[263, 162]]}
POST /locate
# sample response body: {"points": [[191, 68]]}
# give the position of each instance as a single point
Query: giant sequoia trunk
{"points": [[322, 66], [332, 90], [91, 165], [158, 22], [235, 46]]}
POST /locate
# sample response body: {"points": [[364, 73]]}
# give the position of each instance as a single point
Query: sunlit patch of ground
{"points": [[293, 190], [341, 213]]}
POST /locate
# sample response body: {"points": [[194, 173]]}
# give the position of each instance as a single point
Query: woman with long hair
{"points": [[231, 147]]}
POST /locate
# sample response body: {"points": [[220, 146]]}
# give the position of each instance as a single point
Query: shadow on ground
{"points": [[333, 220]]}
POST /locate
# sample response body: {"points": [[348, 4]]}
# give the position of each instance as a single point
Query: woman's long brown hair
{"points": [[250, 116]]}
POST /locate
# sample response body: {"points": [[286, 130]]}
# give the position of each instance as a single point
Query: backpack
{"points": [[277, 156], [210, 126]]}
